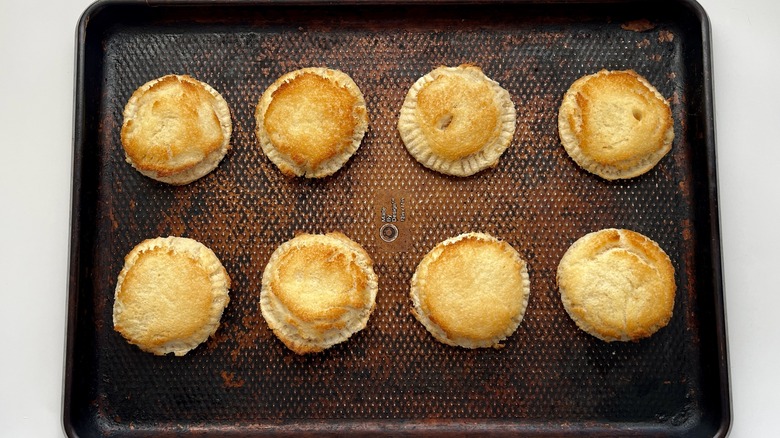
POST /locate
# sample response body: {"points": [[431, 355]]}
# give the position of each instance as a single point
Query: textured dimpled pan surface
{"points": [[393, 378]]}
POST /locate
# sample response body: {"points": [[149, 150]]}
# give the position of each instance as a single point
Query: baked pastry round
{"points": [[311, 121], [317, 291], [617, 285], [176, 129], [471, 291], [615, 124], [457, 121], [170, 295]]}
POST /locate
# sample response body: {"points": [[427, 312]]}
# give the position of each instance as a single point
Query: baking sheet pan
{"points": [[392, 378]]}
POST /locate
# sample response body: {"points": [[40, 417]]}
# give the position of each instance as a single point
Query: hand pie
{"points": [[615, 124], [617, 285], [311, 121], [457, 121], [471, 291], [176, 129], [170, 295], [317, 291]]}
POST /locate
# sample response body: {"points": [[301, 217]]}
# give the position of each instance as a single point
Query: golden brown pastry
{"points": [[617, 285], [471, 291], [457, 121], [317, 291], [615, 124], [170, 295], [176, 129], [311, 121]]}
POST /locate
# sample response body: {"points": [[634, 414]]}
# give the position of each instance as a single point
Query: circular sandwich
{"points": [[311, 121], [317, 291], [170, 295], [176, 129], [615, 124], [457, 121], [471, 291], [617, 285]]}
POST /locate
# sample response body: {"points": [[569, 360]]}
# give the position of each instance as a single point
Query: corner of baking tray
{"points": [[698, 11], [97, 7]]}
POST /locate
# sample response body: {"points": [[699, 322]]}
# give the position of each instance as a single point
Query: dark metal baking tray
{"points": [[392, 378]]}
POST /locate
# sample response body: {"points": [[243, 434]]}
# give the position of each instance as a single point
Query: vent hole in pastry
{"points": [[445, 121], [637, 114]]}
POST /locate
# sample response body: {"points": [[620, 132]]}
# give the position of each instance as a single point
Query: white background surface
{"points": [[36, 107]]}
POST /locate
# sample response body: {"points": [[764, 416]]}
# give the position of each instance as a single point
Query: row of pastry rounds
{"points": [[454, 120], [317, 290]]}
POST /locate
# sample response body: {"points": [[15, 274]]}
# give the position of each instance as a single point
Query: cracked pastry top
{"points": [[309, 122], [176, 129], [317, 291], [617, 285], [615, 124], [170, 295], [457, 121], [471, 291]]}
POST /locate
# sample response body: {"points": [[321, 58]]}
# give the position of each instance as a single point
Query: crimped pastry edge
{"points": [[417, 145]]}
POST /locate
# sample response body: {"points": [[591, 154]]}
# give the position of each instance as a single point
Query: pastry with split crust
{"points": [[170, 295], [317, 291], [617, 285], [311, 121], [615, 124], [471, 291], [457, 121], [176, 129]]}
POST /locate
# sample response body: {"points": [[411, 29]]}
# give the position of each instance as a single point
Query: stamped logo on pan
{"points": [[391, 220]]}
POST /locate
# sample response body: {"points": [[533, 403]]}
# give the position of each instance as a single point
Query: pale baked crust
{"points": [[317, 291], [457, 121], [176, 129], [471, 291], [615, 124], [170, 295], [311, 121], [617, 285]]}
